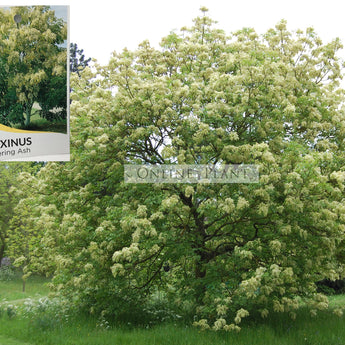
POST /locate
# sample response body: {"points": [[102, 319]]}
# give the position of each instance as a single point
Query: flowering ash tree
{"points": [[219, 251], [32, 65]]}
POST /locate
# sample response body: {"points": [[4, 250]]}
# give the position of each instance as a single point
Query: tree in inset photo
{"points": [[33, 69]]}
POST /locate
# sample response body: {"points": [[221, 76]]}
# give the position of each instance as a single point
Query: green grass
{"points": [[13, 290], [43, 125], [324, 329], [9, 341]]}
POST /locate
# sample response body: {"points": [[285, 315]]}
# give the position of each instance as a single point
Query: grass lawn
{"points": [[13, 290], [9, 341], [324, 329]]}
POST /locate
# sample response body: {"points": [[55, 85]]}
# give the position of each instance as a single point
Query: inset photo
{"points": [[33, 68]]}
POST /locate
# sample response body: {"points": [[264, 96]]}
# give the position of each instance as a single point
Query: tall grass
{"points": [[43, 329], [325, 329]]}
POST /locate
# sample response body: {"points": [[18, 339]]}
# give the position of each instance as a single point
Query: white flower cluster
{"points": [[338, 176], [275, 269], [286, 229], [338, 312], [170, 202], [240, 315], [57, 308], [277, 306], [242, 203], [142, 211], [263, 209], [89, 144], [233, 136], [103, 139], [228, 206], [222, 309], [127, 223], [118, 270], [219, 324], [275, 247], [264, 313], [243, 254], [203, 324], [268, 157], [168, 151], [189, 190], [126, 253], [250, 286], [319, 302]]}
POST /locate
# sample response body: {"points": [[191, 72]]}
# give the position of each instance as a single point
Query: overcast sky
{"points": [[100, 27]]}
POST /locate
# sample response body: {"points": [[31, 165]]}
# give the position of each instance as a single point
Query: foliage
{"points": [[8, 173], [77, 59], [330, 287], [17, 237], [11, 311], [218, 251], [31, 55], [26, 226], [46, 313], [6, 273], [5, 261], [53, 98], [10, 109]]}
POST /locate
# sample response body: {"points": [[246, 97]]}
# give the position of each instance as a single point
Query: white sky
{"points": [[100, 27]]}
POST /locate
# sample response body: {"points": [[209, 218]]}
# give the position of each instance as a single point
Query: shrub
{"points": [[330, 287], [5, 262], [6, 273], [47, 312], [11, 311]]}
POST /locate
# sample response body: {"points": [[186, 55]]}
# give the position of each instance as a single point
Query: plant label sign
{"points": [[34, 83]]}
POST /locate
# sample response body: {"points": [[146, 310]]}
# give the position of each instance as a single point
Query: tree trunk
{"points": [[2, 251], [200, 273], [28, 115], [199, 246]]}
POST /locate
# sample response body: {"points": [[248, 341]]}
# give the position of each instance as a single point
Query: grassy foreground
{"points": [[13, 290], [325, 329]]}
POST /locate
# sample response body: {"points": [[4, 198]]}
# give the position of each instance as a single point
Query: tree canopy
{"points": [[8, 173], [77, 59], [218, 252]]}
